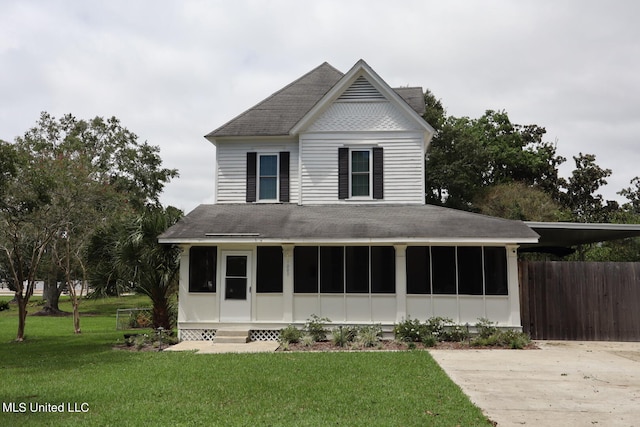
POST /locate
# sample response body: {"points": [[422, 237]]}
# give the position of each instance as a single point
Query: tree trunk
{"points": [[22, 315], [161, 314], [76, 315], [51, 294]]}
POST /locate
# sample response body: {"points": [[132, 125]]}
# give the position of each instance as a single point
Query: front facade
{"points": [[319, 209]]}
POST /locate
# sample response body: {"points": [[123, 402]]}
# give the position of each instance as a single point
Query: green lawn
{"points": [[54, 366]]}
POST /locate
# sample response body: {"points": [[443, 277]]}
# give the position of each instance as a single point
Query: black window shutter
{"points": [[378, 176], [251, 177], [343, 173], [284, 176]]}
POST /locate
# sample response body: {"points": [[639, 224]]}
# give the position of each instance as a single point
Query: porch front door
{"points": [[235, 301]]}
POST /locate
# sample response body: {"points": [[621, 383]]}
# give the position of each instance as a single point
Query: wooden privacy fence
{"points": [[596, 301]]}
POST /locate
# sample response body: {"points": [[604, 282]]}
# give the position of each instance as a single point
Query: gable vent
{"points": [[360, 90]]}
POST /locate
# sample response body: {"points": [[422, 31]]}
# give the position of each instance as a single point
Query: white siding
{"points": [[231, 159], [361, 116], [403, 165]]}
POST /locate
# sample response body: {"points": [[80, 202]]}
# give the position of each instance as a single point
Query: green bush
{"points": [[490, 336], [429, 341], [342, 335], [486, 328], [410, 330], [4, 305], [515, 339], [290, 334], [368, 335], [316, 329], [307, 340], [455, 333], [435, 327]]}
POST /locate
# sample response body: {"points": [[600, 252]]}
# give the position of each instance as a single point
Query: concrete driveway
{"points": [[564, 383]]}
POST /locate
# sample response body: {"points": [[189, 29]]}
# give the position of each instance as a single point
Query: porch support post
{"points": [[287, 282], [514, 288], [401, 281], [183, 286]]}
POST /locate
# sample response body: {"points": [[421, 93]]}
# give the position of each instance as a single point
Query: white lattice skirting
{"points": [[265, 335], [197, 334], [209, 334]]}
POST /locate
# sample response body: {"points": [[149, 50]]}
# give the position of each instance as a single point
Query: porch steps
{"points": [[231, 336]]}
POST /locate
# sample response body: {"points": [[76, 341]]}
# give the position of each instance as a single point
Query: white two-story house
{"points": [[320, 209]]}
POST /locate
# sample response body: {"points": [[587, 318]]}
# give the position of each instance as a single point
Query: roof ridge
{"points": [[270, 97]]}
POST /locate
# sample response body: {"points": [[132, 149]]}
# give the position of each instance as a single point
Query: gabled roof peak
{"points": [[281, 113]]}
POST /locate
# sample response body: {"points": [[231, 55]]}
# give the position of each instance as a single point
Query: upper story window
{"points": [[360, 173], [267, 177]]}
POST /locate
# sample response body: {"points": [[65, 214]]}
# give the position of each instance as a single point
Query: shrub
{"points": [[315, 327], [455, 333], [4, 305], [490, 336], [307, 340], [368, 335], [514, 339], [410, 330], [160, 340], [435, 326], [342, 335], [486, 328], [429, 341], [290, 334]]}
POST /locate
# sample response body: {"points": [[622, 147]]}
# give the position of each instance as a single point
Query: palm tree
{"points": [[152, 268]]}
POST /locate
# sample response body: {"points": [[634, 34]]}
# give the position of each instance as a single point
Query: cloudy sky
{"points": [[172, 71]]}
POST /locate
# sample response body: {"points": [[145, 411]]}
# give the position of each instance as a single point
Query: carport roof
{"points": [[567, 234]]}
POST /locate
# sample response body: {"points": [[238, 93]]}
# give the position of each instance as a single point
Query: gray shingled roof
{"points": [[292, 222], [279, 113]]}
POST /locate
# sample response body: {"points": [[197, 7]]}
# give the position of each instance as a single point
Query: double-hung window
{"points": [[360, 173], [268, 177]]}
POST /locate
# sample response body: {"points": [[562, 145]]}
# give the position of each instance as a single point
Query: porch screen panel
{"points": [[443, 264], [383, 270], [305, 269], [269, 269], [418, 270], [470, 276], [357, 267], [331, 269], [202, 268], [495, 270]]}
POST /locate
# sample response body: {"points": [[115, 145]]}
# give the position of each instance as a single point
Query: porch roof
{"points": [[342, 223]]}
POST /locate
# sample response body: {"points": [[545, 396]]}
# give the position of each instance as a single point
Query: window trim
{"points": [[369, 172], [259, 177]]}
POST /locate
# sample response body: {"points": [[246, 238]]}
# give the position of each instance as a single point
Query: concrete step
{"points": [[231, 336], [230, 340]]}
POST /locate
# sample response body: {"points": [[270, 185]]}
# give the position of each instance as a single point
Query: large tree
{"points": [[108, 175], [28, 223], [581, 197], [467, 156]]}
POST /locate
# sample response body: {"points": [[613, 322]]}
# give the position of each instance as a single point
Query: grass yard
{"points": [[54, 366]]}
